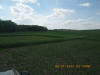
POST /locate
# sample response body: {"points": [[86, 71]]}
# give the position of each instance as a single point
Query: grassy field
{"points": [[39, 52]]}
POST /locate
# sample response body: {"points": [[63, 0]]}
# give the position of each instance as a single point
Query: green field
{"points": [[38, 52]]}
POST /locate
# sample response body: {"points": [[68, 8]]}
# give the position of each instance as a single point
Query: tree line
{"points": [[9, 26]]}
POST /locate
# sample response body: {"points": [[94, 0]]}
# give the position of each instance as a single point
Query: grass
{"points": [[66, 47]]}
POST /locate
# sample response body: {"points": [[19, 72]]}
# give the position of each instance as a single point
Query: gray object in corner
{"points": [[10, 72]]}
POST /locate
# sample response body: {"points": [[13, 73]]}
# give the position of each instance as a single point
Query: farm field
{"points": [[39, 52]]}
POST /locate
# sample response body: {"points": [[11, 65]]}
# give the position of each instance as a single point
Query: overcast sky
{"points": [[54, 14]]}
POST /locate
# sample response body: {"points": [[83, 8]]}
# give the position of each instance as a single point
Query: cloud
{"points": [[28, 1], [79, 24], [32, 1], [1, 7], [85, 4], [58, 19], [98, 13], [61, 13], [38, 4], [21, 11], [25, 14]]}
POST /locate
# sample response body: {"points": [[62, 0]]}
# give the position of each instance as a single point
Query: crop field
{"points": [[39, 52]]}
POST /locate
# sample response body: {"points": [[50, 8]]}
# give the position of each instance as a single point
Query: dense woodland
{"points": [[9, 26]]}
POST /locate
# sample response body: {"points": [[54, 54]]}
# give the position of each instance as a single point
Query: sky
{"points": [[53, 14]]}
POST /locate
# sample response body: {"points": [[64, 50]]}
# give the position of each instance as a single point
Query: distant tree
{"points": [[31, 28], [9, 26]]}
